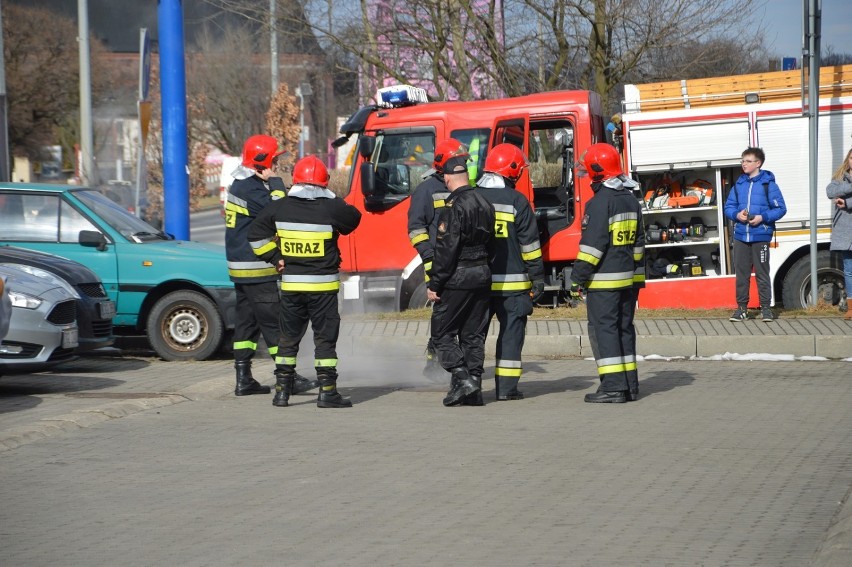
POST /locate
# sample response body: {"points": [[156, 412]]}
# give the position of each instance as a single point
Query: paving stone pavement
{"points": [[134, 461]]}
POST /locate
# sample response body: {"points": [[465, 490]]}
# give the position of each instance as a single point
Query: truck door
{"points": [[514, 130], [393, 170]]}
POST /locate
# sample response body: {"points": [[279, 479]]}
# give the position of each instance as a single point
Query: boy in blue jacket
{"points": [[754, 204]]}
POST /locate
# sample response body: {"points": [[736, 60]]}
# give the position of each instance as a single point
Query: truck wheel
{"points": [[185, 325], [418, 297], [796, 290]]}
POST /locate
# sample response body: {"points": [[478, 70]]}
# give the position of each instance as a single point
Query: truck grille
{"points": [[63, 312], [92, 289]]}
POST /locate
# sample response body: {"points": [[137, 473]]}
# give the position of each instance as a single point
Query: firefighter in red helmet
{"points": [[427, 201], [517, 270], [610, 266], [299, 236], [255, 186]]}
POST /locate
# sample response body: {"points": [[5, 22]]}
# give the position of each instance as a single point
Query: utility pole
{"points": [[88, 174], [273, 46], [175, 147], [5, 170], [813, 24]]}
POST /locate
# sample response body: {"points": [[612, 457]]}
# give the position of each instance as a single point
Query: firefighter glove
{"points": [[537, 290], [576, 292]]}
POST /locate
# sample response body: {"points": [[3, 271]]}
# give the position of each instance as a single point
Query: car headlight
{"points": [[23, 300]]}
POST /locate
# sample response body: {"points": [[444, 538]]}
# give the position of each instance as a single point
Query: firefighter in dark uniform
{"points": [[460, 284], [299, 235], [517, 270], [427, 201], [610, 267], [255, 281]]}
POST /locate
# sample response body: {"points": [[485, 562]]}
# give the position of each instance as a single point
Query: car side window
{"points": [[71, 222], [40, 218], [30, 218]]}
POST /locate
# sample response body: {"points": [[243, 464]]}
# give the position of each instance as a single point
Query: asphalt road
{"points": [[207, 226], [134, 461]]}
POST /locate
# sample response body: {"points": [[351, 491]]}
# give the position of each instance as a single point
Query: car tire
{"points": [[185, 325], [418, 298]]}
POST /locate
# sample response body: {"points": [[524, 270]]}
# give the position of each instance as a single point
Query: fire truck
{"points": [[685, 142]]}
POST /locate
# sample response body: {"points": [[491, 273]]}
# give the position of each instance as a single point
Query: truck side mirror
{"points": [[368, 179], [93, 238], [366, 146]]}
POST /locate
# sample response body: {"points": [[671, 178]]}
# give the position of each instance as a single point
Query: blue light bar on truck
{"points": [[400, 95]]}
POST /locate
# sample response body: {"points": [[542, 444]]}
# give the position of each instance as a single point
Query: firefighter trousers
{"points": [[256, 315], [459, 324], [320, 309], [613, 338], [512, 312]]}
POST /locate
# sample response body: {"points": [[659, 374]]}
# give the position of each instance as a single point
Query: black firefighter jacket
{"points": [[246, 198], [516, 252], [612, 245], [427, 202], [303, 230], [462, 244]]}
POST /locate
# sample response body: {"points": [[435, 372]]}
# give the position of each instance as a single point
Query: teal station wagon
{"points": [[176, 291]]}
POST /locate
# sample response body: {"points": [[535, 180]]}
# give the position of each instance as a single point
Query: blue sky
{"points": [[783, 22]]}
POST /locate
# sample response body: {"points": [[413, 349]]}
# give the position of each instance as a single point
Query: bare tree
{"points": [[42, 78], [520, 46], [225, 77]]}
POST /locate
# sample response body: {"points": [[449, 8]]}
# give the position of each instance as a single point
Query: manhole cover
{"points": [[118, 395]]}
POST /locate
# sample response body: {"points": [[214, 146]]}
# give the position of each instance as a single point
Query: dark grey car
{"points": [[95, 310]]}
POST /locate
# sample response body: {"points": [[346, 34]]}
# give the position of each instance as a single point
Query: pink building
{"points": [[399, 42]]}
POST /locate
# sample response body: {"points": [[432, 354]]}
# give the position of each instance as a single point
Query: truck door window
{"points": [[477, 144], [551, 157]]}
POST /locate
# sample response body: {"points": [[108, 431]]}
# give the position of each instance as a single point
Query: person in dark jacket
{"points": [[840, 192], [754, 204], [255, 282], [517, 270], [460, 284], [610, 267], [427, 201], [299, 235]]}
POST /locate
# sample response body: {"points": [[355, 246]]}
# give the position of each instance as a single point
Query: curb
{"points": [[45, 428]]}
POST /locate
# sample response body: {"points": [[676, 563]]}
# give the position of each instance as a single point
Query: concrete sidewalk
{"points": [[829, 337]]}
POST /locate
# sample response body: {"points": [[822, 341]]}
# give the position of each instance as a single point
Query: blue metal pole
{"points": [[173, 94]]}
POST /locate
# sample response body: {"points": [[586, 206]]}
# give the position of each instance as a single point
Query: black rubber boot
{"points": [[462, 385], [246, 384], [329, 397], [507, 389], [283, 388], [433, 369], [601, 397], [303, 384], [475, 399]]}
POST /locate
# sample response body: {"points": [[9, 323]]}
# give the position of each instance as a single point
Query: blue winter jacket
{"points": [[760, 195]]}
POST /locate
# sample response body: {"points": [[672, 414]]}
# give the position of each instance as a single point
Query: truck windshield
{"points": [[132, 228]]}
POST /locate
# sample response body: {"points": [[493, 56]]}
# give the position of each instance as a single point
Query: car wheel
{"points": [[185, 325]]}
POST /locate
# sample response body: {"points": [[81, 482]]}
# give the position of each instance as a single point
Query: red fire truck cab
{"points": [[395, 145]]}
